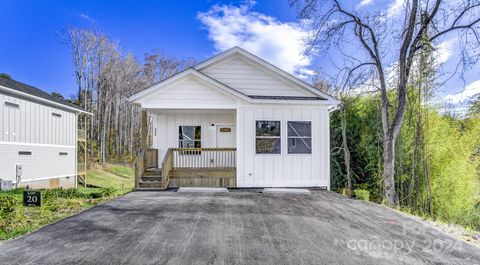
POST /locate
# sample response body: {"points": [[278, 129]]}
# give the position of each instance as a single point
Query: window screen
{"points": [[299, 137], [267, 137], [189, 137]]}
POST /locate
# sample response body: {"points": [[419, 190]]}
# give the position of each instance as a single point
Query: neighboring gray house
{"points": [[38, 137]]}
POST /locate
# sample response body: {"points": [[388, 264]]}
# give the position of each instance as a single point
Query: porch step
{"points": [[151, 178], [153, 172], [150, 184]]}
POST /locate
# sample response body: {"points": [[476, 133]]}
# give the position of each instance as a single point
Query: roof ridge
{"points": [[34, 91]]}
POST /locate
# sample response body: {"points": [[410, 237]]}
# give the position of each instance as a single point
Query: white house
{"points": [[235, 120], [38, 137]]}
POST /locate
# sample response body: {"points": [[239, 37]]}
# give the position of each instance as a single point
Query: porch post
{"points": [[144, 131]]}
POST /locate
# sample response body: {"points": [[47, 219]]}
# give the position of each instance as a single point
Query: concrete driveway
{"points": [[240, 227]]}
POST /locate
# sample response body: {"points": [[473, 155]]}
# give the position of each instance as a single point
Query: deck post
{"points": [[144, 130]]}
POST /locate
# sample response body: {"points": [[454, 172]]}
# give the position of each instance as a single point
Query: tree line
{"points": [[389, 48], [106, 76], [387, 138]]}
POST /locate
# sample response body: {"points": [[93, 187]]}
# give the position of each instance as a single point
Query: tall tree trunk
{"points": [[346, 151], [389, 170]]}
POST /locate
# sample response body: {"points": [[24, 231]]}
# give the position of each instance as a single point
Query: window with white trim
{"points": [[267, 137], [299, 137], [189, 136]]}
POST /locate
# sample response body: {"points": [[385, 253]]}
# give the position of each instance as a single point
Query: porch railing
{"points": [[151, 158], [181, 162], [167, 166], [139, 167], [81, 135], [217, 159], [81, 168]]}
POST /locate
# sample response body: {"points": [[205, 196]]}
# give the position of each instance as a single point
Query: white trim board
{"points": [[45, 178], [33, 144]]}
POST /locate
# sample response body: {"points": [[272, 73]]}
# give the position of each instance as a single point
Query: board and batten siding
{"points": [[168, 123], [252, 80], [282, 170], [32, 127]]}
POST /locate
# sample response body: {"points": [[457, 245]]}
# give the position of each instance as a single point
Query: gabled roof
{"points": [[196, 71], [182, 74], [274, 69], [28, 91]]}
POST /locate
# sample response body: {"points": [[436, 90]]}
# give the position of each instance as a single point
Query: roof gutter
{"points": [[333, 108], [39, 99]]}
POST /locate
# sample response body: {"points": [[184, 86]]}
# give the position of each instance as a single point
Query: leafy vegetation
{"points": [[363, 195], [438, 163], [108, 175], [16, 219]]}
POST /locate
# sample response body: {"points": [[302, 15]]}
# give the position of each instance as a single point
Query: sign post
{"points": [[32, 198]]}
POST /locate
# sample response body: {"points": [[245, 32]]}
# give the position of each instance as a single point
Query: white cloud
{"points": [[444, 50], [471, 90], [365, 3], [280, 43], [87, 17], [396, 7]]}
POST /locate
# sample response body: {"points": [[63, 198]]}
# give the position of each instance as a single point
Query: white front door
{"points": [[225, 135]]}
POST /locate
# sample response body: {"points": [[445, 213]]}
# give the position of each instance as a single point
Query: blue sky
{"points": [[31, 48]]}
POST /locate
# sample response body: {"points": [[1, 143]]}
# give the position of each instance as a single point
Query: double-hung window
{"points": [[267, 137], [189, 137], [299, 137]]}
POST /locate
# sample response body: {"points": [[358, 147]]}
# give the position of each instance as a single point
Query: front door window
{"points": [[189, 136]]}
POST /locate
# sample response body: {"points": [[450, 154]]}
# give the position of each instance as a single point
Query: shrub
{"points": [[11, 215], [345, 192], [62, 193], [8, 203], [363, 195], [107, 191]]}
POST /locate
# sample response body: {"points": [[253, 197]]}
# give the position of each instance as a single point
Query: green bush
{"points": [[8, 203], [62, 193], [107, 191], [11, 215], [363, 195]]}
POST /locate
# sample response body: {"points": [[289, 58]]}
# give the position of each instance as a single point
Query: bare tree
{"points": [[106, 77], [390, 44]]}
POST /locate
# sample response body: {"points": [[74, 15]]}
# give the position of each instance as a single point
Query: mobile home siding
{"points": [[282, 170], [43, 130]]}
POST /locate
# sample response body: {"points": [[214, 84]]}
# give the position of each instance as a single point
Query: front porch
{"points": [[187, 167], [205, 156]]}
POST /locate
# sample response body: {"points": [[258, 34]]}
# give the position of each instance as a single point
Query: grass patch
{"points": [[116, 176], [16, 219]]}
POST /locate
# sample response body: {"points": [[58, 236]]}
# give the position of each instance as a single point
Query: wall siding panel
{"points": [[251, 79], [32, 127], [282, 170]]}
